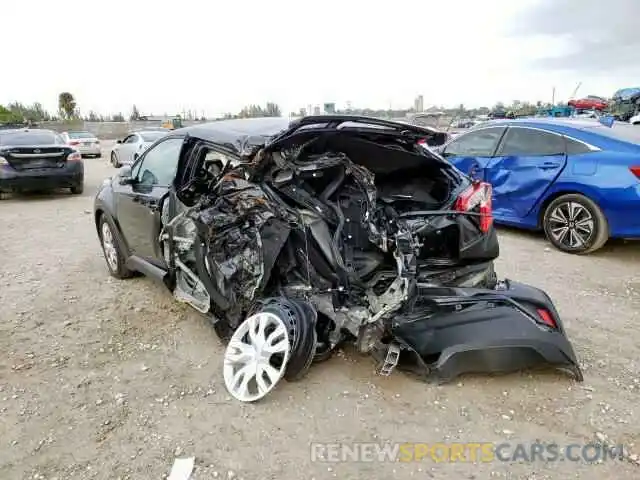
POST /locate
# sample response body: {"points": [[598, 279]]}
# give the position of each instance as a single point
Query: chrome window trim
{"points": [[592, 148]]}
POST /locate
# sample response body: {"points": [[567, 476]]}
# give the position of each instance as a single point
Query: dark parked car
{"points": [[295, 237], [38, 160]]}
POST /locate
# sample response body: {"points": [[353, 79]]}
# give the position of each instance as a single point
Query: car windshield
{"points": [[619, 131], [151, 136], [30, 138], [81, 135]]}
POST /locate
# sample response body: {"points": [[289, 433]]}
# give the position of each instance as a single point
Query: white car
{"points": [[128, 150], [635, 120], [84, 142]]}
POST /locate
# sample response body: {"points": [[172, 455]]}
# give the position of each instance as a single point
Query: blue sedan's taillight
{"points": [[635, 170]]}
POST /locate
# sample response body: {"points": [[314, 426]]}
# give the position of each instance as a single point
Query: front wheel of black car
{"points": [[575, 224], [112, 252], [77, 189]]}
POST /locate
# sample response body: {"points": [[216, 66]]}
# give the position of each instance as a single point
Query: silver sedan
{"points": [[128, 150], [84, 142]]}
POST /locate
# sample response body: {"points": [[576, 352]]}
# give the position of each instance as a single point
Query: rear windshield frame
{"points": [[20, 138]]}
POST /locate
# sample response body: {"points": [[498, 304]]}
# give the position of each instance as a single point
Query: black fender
{"points": [[472, 330], [105, 204]]}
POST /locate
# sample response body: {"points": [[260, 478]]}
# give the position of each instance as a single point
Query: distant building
{"points": [[418, 104], [329, 108], [316, 110]]}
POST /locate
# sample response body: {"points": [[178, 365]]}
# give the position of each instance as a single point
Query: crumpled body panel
{"points": [[237, 222], [476, 330]]}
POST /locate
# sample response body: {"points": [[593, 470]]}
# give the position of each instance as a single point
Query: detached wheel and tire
{"points": [[114, 160], [77, 189], [575, 224], [112, 253]]}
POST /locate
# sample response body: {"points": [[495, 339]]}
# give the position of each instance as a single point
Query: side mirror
{"points": [[124, 174], [118, 141]]}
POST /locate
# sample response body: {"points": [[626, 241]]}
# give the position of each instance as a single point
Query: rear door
{"points": [[527, 162], [472, 151], [138, 205]]}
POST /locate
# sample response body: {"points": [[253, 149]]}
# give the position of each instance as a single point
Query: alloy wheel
{"points": [[572, 225], [108, 244], [256, 357]]}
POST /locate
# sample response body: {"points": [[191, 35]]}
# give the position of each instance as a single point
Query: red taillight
{"points": [[74, 157], [477, 195], [422, 141], [635, 170], [547, 318], [74, 142]]}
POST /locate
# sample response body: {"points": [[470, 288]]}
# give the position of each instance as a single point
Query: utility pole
{"points": [[553, 96]]}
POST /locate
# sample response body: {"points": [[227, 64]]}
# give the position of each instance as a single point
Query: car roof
{"points": [[241, 134], [237, 134], [620, 135], [261, 127], [27, 130]]}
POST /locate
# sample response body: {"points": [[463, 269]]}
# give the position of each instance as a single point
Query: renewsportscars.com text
{"points": [[463, 452]]}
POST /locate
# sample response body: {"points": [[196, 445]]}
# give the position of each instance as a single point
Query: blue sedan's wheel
{"points": [[574, 223]]}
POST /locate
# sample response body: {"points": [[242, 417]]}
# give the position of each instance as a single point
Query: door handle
{"points": [[549, 165]]}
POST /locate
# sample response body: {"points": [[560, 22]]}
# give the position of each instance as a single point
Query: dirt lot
{"points": [[111, 380]]}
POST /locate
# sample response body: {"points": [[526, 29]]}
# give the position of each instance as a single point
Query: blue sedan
{"points": [[577, 180]]}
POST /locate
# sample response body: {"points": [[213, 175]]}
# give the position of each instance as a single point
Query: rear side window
{"points": [[576, 148], [481, 143], [530, 142]]}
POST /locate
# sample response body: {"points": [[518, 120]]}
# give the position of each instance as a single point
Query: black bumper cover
{"points": [[70, 175], [470, 330]]}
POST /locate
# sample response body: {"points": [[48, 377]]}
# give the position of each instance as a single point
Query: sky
{"points": [[215, 57]]}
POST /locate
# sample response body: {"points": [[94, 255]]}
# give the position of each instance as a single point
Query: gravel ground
{"points": [[111, 379]]}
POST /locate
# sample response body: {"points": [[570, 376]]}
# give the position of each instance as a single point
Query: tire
{"points": [[299, 316], [115, 259], [78, 189], [585, 233], [114, 160]]}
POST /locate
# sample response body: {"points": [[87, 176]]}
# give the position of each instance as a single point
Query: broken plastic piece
{"points": [[182, 468], [390, 361]]}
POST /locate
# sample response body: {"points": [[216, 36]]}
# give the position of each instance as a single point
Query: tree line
{"points": [[68, 110]]}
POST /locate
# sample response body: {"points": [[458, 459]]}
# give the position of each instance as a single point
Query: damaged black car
{"points": [[296, 237]]}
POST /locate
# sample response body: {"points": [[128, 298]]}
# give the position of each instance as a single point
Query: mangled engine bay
{"points": [[340, 236]]}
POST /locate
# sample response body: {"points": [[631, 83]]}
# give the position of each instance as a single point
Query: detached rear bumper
{"points": [[479, 330], [72, 174]]}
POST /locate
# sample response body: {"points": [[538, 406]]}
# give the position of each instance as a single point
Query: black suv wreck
{"points": [[294, 237]]}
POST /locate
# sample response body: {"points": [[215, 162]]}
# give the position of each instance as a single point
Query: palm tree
{"points": [[67, 105]]}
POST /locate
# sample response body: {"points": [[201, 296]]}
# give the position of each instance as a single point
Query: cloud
{"points": [[600, 36]]}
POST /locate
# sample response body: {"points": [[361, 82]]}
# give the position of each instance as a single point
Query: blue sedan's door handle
{"points": [[549, 165]]}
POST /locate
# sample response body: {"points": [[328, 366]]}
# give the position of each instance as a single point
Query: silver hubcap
{"points": [[256, 358], [571, 224], [110, 252]]}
